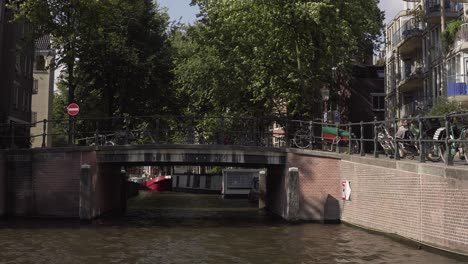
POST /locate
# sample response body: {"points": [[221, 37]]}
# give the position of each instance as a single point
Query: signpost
{"points": [[72, 110]]}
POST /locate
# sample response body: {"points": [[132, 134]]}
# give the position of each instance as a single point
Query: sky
{"points": [[391, 8], [181, 9]]}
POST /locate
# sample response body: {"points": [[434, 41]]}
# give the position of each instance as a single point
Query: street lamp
{"points": [[325, 91]]}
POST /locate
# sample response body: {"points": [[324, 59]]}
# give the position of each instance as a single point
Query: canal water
{"points": [[189, 228]]}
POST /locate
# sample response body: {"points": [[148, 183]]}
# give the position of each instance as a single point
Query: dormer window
{"points": [[40, 63]]}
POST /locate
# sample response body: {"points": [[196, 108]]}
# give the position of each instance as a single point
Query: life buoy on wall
{"points": [[346, 190]]}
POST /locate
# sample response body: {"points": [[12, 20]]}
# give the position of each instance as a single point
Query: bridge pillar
{"points": [[86, 182], [262, 189], [292, 195]]}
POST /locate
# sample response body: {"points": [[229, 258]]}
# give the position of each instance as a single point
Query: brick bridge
{"points": [[425, 202]]}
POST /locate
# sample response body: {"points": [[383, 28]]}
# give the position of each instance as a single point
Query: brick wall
{"points": [[56, 181], [44, 183], [319, 187], [19, 183], [422, 202]]}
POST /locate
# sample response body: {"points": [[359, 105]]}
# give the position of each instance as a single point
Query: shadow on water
{"points": [[191, 210]]}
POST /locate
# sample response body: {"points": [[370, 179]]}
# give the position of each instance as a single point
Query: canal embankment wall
{"points": [[427, 203], [423, 202], [45, 183]]}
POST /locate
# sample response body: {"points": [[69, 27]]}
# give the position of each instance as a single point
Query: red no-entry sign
{"points": [[73, 109]]}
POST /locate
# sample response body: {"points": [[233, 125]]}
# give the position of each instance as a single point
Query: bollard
{"points": [[292, 195], [86, 204], [422, 145], [376, 155], [262, 190]]}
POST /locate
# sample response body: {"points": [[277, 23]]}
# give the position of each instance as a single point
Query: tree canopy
{"points": [[262, 57], [114, 53]]}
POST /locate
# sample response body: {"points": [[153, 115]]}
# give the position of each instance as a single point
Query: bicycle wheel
{"points": [[433, 153], [301, 139], [355, 147], [464, 145]]}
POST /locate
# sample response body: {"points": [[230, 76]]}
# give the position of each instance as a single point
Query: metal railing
{"points": [[457, 85], [433, 6], [372, 137]]}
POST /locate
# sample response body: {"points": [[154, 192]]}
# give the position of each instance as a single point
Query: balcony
{"points": [[412, 77], [461, 39], [457, 89], [409, 37], [416, 107], [452, 10]]}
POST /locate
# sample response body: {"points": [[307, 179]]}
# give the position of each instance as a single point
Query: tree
{"points": [[114, 54], [263, 57]]}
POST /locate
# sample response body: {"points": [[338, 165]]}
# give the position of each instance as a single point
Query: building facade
{"points": [[42, 93], [16, 63], [421, 65]]}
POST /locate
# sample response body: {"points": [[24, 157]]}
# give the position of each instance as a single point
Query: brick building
{"points": [[16, 63]]}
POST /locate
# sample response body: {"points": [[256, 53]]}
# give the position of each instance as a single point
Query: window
{"points": [[35, 86], [378, 102], [40, 63], [188, 181], [208, 182], [196, 181]]}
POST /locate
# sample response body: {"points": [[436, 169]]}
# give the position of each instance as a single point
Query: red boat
{"points": [[159, 184]]}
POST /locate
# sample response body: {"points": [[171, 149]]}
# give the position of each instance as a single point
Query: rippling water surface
{"points": [[186, 228]]}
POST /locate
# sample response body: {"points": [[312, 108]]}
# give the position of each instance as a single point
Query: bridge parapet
{"points": [[192, 155]]}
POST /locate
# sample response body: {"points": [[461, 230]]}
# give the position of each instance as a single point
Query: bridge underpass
{"points": [[87, 182]]}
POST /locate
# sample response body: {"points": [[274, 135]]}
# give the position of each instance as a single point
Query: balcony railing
{"points": [[409, 29], [457, 85], [411, 70], [433, 6]]}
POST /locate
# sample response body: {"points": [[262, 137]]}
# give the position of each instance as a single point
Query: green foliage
{"points": [[114, 53], [444, 106], [450, 33], [262, 57], [215, 170]]}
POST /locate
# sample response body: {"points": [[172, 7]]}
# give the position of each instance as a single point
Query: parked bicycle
{"points": [[303, 137], [456, 132]]}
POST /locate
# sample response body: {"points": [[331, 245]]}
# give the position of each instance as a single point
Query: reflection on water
{"points": [[185, 228]]}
